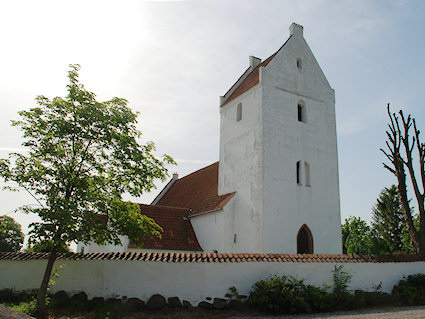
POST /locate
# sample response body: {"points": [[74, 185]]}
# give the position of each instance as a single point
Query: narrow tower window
{"points": [[301, 111], [307, 174], [239, 112], [299, 64], [299, 172], [304, 240]]}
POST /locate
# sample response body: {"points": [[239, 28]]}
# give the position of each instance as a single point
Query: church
{"points": [[275, 188]]}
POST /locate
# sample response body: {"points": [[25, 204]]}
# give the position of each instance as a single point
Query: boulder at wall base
{"points": [[60, 298], [205, 305], [6, 295], [187, 304], [80, 297], [135, 304], [60, 295], [174, 302], [156, 302], [219, 303], [97, 301]]}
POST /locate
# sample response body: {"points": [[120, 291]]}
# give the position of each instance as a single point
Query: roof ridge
{"points": [[168, 256], [165, 206], [197, 171]]}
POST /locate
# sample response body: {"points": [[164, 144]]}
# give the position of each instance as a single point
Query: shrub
{"points": [[287, 294], [412, 290]]}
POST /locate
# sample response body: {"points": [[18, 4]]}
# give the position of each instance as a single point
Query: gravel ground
{"points": [[10, 314], [387, 313]]}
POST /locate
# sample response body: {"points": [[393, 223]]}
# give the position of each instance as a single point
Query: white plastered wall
{"points": [[287, 205], [191, 281], [240, 169]]}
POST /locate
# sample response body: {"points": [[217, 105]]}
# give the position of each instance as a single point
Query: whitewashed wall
{"points": [[190, 281]]}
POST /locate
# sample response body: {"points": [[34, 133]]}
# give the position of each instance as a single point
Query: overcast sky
{"points": [[173, 59]]}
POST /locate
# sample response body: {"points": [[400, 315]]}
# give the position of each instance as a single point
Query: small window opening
{"points": [[301, 111], [239, 112], [307, 174], [234, 238], [299, 64], [299, 172], [304, 241]]}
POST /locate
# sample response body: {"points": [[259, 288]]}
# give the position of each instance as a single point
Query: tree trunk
{"points": [[42, 291]]}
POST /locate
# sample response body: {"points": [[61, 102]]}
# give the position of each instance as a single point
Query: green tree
{"points": [[82, 156], [46, 247], [357, 237], [11, 237], [388, 222]]}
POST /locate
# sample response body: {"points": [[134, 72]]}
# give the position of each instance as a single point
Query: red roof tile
{"points": [[197, 191], [217, 257], [252, 79], [177, 234]]}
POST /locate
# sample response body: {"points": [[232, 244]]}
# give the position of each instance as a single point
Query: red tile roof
{"points": [[177, 234], [197, 191], [252, 79], [219, 258]]}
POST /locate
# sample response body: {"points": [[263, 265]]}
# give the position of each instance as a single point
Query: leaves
{"points": [[82, 156], [11, 236]]}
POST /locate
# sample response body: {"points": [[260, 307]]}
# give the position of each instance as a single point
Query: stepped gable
{"points": [[197, 191], [177, 234], [219, 258]]}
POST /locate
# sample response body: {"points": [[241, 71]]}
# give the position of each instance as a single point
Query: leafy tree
{"points": [[11, 237], [82, 156], [357, 237], [46, 247], [400, 152]]}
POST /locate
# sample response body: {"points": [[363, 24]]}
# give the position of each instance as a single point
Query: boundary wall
{"points": [[194, 277]]}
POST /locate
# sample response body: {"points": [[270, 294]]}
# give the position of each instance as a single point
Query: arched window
{"points": [[307, 174], [239, 112], [299, 172], [304, 240], [301, 111]]}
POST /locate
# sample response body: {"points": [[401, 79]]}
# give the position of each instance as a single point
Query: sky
{"points": [[173, 59]]}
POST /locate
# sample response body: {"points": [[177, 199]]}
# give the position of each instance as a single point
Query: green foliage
{"points": [[389, 223], [341, 281], [411, 291], [11, 236], [287, 294], [357, 237], [46, 247], [82, 156]]}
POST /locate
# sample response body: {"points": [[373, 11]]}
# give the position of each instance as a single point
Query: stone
{"points": [[156, 302], [187, 304], [209, 298], [235, 304], [174, 302], [60, 298], [205, 305], [80, 297], [97, 301], [135, 304], [219, 303], [114, 301], [6, 295]]}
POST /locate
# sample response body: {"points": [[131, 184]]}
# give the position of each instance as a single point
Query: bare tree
{"points": [[401, 147]]}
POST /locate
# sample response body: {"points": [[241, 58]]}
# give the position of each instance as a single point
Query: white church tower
{"points": [[278, 151]]}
